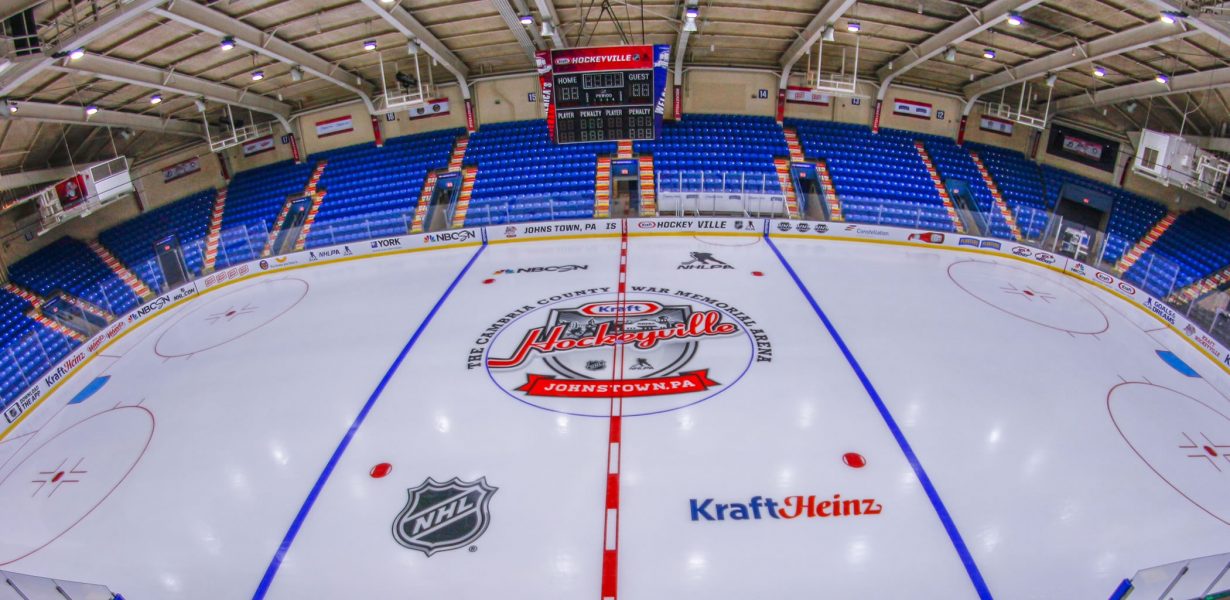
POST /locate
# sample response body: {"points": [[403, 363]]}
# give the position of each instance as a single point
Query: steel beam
{"points": [[213, 22], [829, 13], [75, 115], [1117, 43], [403, 21], [114, 69], [23, 70], [1188, 82], [976, 22]]}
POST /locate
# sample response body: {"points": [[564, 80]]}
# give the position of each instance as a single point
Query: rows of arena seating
{"points": [[253, 200], [717, 153], [372, 192], [132, 242], [523, 176], [1195, 246], [1020, 183], [954, 162], [68, 265], [27, 349], [880, 178]]}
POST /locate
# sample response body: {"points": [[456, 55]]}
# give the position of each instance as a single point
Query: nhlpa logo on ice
{"points": [[443, 516], [703, 260]]}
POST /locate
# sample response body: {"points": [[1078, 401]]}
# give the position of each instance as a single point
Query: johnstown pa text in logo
{"points": [[791, 507]]}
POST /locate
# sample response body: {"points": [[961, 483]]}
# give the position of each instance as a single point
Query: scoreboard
{"points": [[608, 93]]}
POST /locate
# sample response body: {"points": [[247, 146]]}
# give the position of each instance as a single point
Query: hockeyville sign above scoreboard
{"points": [[604, 93]]}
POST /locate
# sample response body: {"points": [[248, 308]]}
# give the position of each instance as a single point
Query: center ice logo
{"points": [[444, 516], [654, 354]]}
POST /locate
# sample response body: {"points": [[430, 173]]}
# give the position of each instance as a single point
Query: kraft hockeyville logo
{"points": [[441, 516], [790, 507]]}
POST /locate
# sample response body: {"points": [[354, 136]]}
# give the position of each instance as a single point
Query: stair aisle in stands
{"points": [[1131, 256], [468, 175], [602, 188], [420, 208], [214, 237], [113, 263], [939, 187], [36, 302], [830, 193], [649, 200], [784, 179], [1000, 205]]}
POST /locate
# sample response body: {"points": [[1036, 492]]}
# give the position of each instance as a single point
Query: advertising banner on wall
{"points": [[334, 126], [1085, 148], [258, 146], [801, 95], [542, 59], [182, 169], [911, 108], [996, 125], [433, 108]]}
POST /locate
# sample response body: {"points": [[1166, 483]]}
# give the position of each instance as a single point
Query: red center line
{"points": [[610, 535]]}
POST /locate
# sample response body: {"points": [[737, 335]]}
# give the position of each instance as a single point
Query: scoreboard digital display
{"points": [[599, 94]]}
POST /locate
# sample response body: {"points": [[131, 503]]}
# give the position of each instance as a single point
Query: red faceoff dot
{"points": [[1028, 293], [854, 460], [757, 274], [488, 281], [230, 313], [1211, 451], [381, 470], [58, 477]]}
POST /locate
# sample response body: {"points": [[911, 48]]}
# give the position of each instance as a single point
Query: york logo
{"points": [[791, 507], [441, 516], [386, 243]]}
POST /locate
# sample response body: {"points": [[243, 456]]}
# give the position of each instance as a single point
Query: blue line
{"points": [[972, 569], [272, 571]]}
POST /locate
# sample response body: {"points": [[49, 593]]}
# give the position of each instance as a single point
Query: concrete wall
{"points": [[1019, 140], [729, 92], [507, 99], [946, 126]]}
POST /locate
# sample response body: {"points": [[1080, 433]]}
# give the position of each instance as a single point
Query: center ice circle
{"points": [[1183, 440], [230, 316], [1028, 295], [563, 356], [61, 482]]}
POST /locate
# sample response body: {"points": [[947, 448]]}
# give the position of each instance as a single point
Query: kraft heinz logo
{"points": [[791, 507], [599, 59]]}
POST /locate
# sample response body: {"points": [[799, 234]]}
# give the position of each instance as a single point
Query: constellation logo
{"points": [[441, 516], [791, 507]]}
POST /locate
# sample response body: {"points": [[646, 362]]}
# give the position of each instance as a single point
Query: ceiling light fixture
{"points": [[77, 54], [1162, 78], [1099, 72], [1014, 19], [1170, 16], [91, 109], [258, 75], [690, 14], [950, 54], [526, 19], [228, 42], [988, 53], [155, 99], [12, 107], [853, 27], [369, 45]]}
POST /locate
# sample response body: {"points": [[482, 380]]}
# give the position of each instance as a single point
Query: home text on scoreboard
{"points": [[608, 93]]}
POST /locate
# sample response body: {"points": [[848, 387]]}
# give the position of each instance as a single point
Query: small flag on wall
{"points": [[433, 108], [995, 125]]}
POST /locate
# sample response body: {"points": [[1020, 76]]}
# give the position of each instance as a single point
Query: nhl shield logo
{"points": [[444, 516]]}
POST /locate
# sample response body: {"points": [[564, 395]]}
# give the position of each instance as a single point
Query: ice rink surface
{"points": [[792, 419]]}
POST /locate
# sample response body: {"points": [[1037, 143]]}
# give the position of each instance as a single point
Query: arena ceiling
{"points": [[137, 48]]}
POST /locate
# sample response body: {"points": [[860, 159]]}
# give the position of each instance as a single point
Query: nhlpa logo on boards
{"points": [[790, 507], [702, 260], [441, 516]]}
